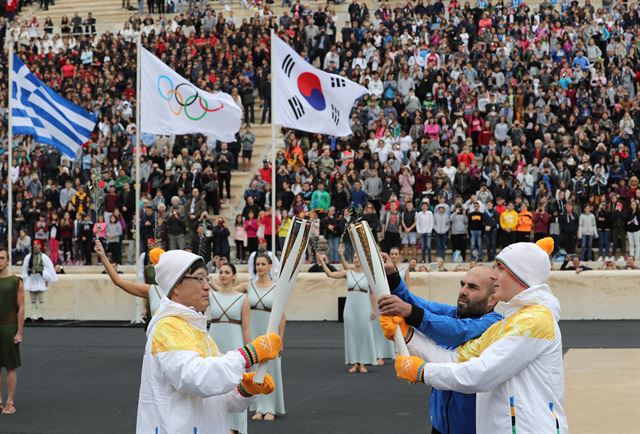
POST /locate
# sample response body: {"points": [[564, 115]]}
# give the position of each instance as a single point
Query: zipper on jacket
{"points": [[555, 416]]}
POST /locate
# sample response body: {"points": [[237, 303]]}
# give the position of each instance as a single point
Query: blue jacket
{"points": [[451, 412]]}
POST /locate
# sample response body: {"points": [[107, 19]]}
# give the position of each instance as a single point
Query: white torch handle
{"points": [[294, 247], [373, 267]]}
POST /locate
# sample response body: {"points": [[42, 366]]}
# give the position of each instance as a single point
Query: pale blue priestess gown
{"points": [[226, 331], [359, 341], [261, 301]]}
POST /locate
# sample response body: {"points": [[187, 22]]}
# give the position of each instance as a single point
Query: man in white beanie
{"points": [[187, 385], [515, 367]]}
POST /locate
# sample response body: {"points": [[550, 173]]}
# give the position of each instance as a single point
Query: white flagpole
{"points": [[273, 155], [10, 159], [138, 147]]}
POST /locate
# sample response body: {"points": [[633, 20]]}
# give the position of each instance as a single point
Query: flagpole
{"points": [[10, 160], [138, 147], [273, 154]]}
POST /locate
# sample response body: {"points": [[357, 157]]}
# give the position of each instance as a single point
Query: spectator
{"points": [[491, 221], [476, 227], [632, 226], [113, 239], [569, 229], [424, 229], [525, 223], [541, 220], [441, 225], [251, 228], [587, 230], [408, 229], [220, 240], [391, 228], [459, 228], [333, 230], [247, 139], [574, 265], [509, 220], [240, 239], [630, 263]]}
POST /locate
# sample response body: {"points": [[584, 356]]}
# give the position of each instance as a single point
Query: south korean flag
{"points": [[308, 99]]}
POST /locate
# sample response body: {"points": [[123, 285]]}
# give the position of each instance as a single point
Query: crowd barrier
{"points": [[588, 295]]}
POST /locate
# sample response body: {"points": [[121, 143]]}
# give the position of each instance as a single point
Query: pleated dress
{"points": [[261, 301], [359, 343], [226, 330]]}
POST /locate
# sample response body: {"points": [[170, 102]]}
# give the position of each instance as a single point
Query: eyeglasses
{"points": [[201, 279]]}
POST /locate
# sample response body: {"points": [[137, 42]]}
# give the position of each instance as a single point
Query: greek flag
{"points": [[38, 111]]}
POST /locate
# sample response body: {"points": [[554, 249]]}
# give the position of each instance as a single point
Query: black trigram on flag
{"points": [[335, 114], [296, 107], [287, 65], [338, 82]]}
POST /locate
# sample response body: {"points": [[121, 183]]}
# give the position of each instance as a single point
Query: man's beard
{"points": [[471, 310]]}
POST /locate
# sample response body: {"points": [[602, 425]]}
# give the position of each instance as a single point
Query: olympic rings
{"points": [[183, 103]]}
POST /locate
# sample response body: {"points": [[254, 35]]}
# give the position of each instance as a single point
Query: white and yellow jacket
{"points": [[515, 367], [187, 386]]}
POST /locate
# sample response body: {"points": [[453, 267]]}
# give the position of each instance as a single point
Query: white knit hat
{"points": [[528, 262], [172, 266]]}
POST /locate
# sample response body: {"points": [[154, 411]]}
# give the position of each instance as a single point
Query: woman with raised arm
{"points": [[359, 343], [230, 314], [260, 292], [152, 293]]}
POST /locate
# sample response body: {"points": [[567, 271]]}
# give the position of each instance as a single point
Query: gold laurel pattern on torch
{"points": [[305, 238], [364, 241], [295, 228]]}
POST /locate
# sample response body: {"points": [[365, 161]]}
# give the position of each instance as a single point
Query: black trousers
{"points": [[266, 110], [224, 177], [569, 241], [459, 242]]}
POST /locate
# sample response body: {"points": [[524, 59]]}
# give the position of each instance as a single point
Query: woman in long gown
{"points": [[359, 312], [261, 297], [230, 314]]}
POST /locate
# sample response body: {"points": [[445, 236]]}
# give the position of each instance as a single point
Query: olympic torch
{"points": [[292, 252], [372, 265]]}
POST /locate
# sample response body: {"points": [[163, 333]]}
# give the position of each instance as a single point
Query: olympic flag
{"points": [[308, 99], [172, 105]]}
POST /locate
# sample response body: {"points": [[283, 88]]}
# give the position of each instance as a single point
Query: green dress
{"points": [[9, 352]]}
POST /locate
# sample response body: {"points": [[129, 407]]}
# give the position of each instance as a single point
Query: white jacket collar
{"points": [[539, 294], [171, 308]]}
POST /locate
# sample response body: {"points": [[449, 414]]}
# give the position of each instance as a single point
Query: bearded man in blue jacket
{"points": [[450, 327]]}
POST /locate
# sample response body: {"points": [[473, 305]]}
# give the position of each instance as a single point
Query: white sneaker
{"points": [[621, 259], [599, 259]]}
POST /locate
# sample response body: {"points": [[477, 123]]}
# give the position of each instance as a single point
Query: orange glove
{"points": [[248, 388], [263, 348], [389, 325], [410, 368]]}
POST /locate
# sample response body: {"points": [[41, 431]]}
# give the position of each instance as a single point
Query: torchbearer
{"points": [[187, 385], [515, 366]]}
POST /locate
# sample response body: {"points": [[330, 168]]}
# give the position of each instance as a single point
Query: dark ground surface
{"points": [[85, 379]]}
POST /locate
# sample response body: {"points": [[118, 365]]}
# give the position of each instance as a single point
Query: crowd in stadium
{"points": [[486, 124]]}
